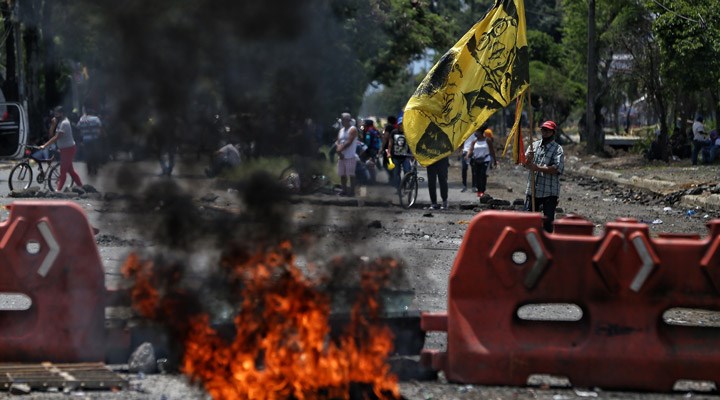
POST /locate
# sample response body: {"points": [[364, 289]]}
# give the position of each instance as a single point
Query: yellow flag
{"points": [[485, 71]]}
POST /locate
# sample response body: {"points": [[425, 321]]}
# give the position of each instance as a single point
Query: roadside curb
{"points": [[708, 201], [654, 185]]}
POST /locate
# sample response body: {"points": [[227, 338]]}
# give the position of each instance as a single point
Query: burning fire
{"points": [[282, 346]]}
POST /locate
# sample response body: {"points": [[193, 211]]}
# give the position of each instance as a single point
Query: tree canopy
{"points": [[270, 66]]}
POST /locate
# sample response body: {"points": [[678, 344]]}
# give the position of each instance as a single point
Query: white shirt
{"points": [[481, 150], [698, 131], [65, 135], [343, 137], [468, 143]]}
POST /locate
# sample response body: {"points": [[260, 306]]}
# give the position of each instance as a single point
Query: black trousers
{"points": [[480, 174], [547, 205], [438, 171], [465, 167]]}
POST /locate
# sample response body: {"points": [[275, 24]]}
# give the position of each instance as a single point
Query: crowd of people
{"points": [[361, 151], [697, 144], [358, 148]]}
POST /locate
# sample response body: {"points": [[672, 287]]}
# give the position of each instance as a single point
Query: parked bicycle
{"points": [[409, 186], [48, 170]]}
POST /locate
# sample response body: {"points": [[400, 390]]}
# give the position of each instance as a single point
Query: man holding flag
{"points": [[545, 160]]}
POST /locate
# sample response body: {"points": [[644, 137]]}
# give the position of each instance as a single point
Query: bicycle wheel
{"points": [[408, 190], [21, 177], [52, 179]]}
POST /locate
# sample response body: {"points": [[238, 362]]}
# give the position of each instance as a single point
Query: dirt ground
{"points": [[426, 241]]}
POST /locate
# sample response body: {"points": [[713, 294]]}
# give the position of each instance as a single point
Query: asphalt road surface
{"points": [[426, 242]]}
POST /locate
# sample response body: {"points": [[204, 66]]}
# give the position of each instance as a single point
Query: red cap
{"points": [[549, 125]]}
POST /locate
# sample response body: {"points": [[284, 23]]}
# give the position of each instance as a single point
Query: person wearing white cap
{"points": [[546, 160]]}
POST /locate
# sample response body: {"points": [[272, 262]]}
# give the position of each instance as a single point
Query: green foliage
{"points": [[390, 99], [689, 36], [543, 48], [608, 16], [554, 94], [647, 136], [276, 63], [410, 28]]}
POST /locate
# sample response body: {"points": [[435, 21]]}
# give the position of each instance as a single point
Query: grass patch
{"points": [[275, 166]]}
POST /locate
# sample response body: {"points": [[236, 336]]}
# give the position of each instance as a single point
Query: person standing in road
{"points": [[466, 150], [387, 133], [91, 134], [483, 155], [546, 160], [66, 144], [438, 171], [700, 138], [345, 147]]}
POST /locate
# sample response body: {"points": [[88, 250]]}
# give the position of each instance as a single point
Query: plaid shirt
{"points": [[550, 154]]}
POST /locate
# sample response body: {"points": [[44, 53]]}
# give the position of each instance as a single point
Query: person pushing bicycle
{"points": [[399, 150]]}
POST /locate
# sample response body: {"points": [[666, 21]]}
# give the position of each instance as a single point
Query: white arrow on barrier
{"points": [[46, 233]]}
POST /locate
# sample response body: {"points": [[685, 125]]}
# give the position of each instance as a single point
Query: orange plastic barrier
{"points": [[51, 285], [623, 282]]}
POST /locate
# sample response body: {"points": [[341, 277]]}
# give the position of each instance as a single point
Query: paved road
{"points": [[426, 242]]}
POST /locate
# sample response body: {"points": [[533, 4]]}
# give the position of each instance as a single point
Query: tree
{"points": [[688, 37], [270, 65], [31, 14], [593, 66], [555, 96], [594, 133], [10, 84], [643, 71]]}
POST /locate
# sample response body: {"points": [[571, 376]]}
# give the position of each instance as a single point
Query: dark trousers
{"points": [[480, 174], [465, 166], [438, 171], [547, 205], [402, 165], [697, 148]]}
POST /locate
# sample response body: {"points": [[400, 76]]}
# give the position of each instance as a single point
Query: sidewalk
{"points": [[8, 164], [693, 185]]}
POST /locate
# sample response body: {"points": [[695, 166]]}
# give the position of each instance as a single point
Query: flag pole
{"points": [[530, 134]]}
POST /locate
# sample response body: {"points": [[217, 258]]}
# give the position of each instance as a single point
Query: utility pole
{"points": [[594, 139]]}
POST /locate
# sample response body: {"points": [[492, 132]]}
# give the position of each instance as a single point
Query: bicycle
{"points": [[302, 181], [21, 176], [409, 186]]}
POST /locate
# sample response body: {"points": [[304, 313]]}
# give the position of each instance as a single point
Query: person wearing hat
{"points": [[546, 161]]}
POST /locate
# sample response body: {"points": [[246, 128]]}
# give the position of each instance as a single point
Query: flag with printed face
{"points": [[484, 72]]}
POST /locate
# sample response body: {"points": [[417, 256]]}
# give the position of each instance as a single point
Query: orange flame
{"points": [[144, 296], [282, 346]]}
